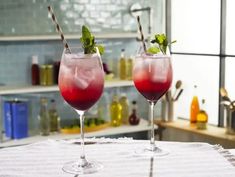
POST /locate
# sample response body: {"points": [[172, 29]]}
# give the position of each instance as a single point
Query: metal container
{"points": [[230, 121], [167, 111]]}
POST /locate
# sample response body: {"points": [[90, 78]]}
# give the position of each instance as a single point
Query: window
{"points": [[196, 25]]}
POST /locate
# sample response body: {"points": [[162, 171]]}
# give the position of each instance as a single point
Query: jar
{"points": [[49, 75], [43, 75]]}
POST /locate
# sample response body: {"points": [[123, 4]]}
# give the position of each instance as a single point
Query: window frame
{"points": [[222, 49]]}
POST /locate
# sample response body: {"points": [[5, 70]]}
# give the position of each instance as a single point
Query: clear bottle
{"points": [[54, 117], [125, 108], [103, 107], [133, 118], [116, 112], [35, 71], [44, 118], [194, 108], [129, 68], [202, 117], [122, 66]]}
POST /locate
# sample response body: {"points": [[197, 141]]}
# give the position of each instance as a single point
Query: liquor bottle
{"points": [[129, 68], [54, 117], [125, 108], [202, 117], [35, 71], [194, 109], [116, 112], [122, 66], [56, 66], [134, 119], [44, 118], [103, 107]]}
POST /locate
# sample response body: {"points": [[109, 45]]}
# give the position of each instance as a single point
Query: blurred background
{"points": [[203, 56]]}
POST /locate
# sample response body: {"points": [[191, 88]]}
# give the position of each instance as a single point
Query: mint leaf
{"points": [[153, 50], [162, 42], [101, 49], [88, 42]]}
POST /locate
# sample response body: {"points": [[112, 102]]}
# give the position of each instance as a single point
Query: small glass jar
{"points": [[43, 75], [49, 75]]}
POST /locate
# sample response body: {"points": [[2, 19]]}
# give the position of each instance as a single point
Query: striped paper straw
{"points": [[58, 28], [141, 33]]}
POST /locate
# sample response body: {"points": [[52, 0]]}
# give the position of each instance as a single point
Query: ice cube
{"points": [[83, 77], [159, 71]]}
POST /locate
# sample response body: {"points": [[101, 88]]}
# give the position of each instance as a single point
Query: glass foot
{"points": [[75, 167], [149, 151]]}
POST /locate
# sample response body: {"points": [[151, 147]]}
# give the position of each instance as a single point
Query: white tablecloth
{"points": [[45, 159]]}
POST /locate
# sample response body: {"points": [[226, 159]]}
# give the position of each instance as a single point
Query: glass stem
{"points": [[82, 156], [152, 139]]}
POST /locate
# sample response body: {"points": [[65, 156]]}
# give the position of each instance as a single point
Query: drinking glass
{"points": [[152, 76], [81, 83]]}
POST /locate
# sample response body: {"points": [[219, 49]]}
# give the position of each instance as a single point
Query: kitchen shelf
{"points": [[184, 125], [143, 126], [9, 90], [69, 36]]}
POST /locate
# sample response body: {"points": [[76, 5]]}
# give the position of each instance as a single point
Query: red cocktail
{"points": [[81, 80], [81, 83], [152, 76]]}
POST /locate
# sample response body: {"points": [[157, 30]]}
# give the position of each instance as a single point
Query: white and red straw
{"points": [[141, 33], [58, 28]]}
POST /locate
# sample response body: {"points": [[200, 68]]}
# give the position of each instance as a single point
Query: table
{"points": [[46, 158]]}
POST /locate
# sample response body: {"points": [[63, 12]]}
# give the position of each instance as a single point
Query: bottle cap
{"points": [[123, 94], [34, 59], [133, 102], [122, 53]]}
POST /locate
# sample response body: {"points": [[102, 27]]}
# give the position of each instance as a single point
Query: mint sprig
{"points": [[88, 42], [162, 44]]}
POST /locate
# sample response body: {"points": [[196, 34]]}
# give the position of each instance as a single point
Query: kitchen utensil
{"points": [[178, 95], [224, 94], [227, 104], [177, 87]]}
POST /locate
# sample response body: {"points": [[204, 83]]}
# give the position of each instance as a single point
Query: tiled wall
{"points": [[15, 57], [24, 17], [30, 17]]}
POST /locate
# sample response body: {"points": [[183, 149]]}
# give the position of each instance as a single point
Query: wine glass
{"points": [[152, 76], [81, 83]]}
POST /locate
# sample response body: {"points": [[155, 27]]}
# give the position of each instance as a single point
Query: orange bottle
{"points": [[194, 109]]}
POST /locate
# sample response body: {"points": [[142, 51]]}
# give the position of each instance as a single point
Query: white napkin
{"points": [[45, 159]]}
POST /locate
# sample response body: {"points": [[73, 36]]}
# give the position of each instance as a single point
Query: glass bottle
{"points": [[56, 66], [116, 112], [122, 66], [54, 117], [194, 108], [202, 117], [44, 118], [125, 108], [35, 71], [103, 107], [129, 68], [133, 118]]}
